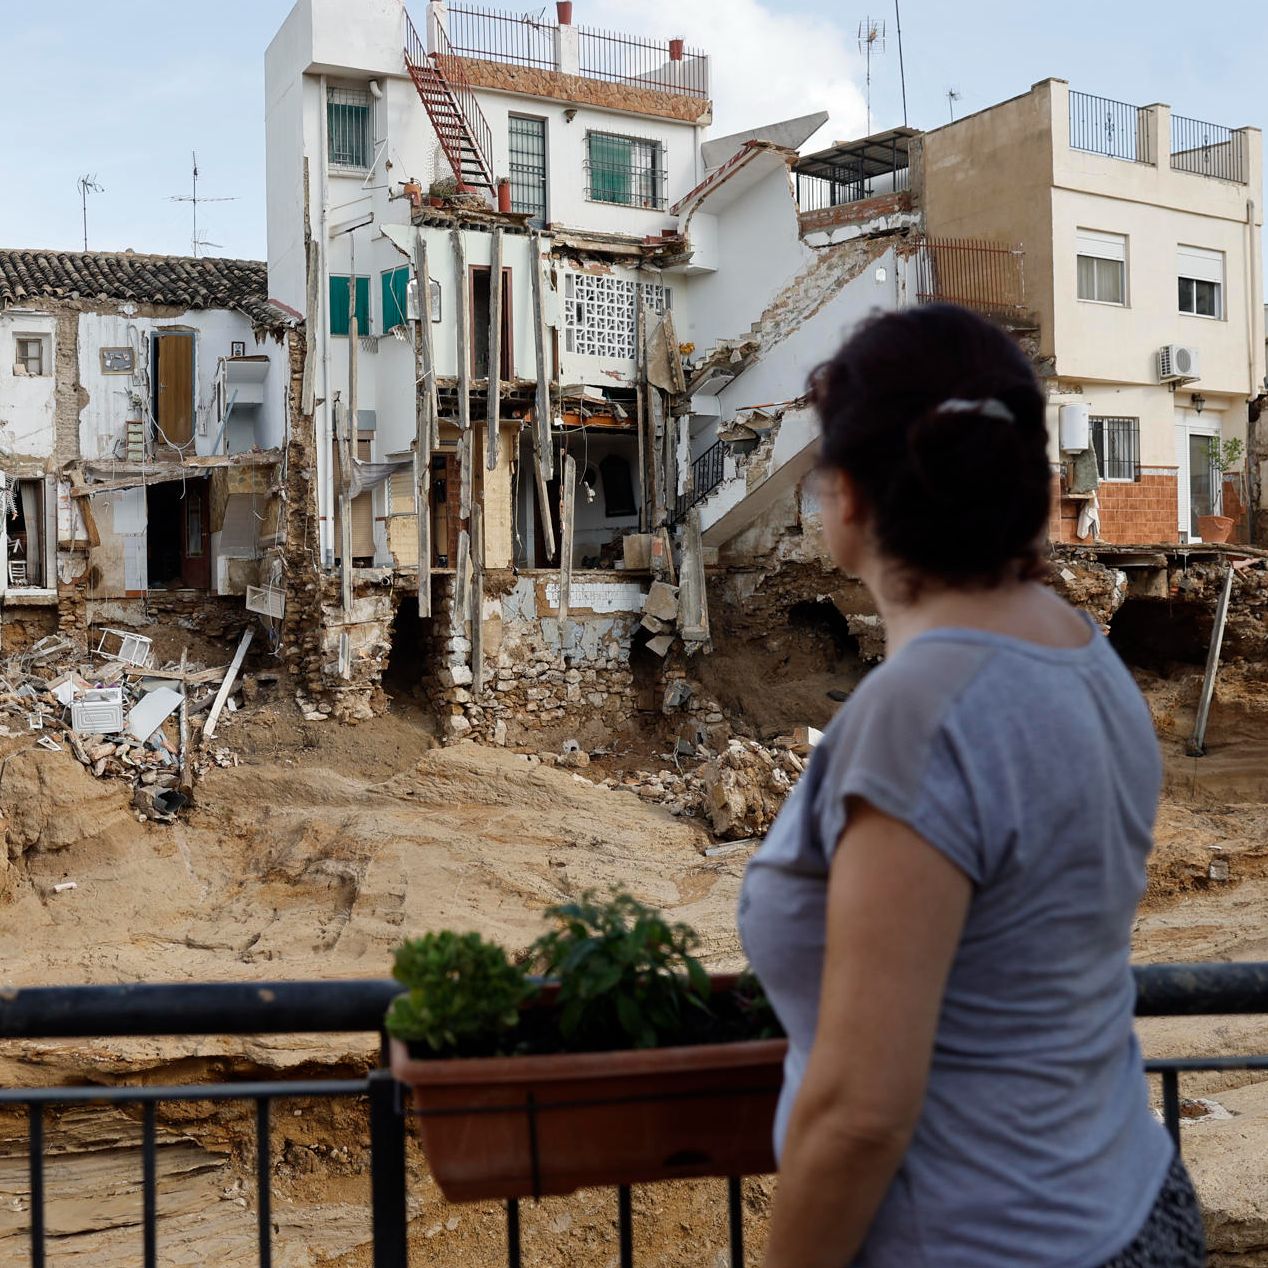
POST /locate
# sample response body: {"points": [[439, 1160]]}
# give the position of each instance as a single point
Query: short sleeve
{"points": [[898, 751]]}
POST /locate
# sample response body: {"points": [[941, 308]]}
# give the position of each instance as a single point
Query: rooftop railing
{"points": [[490, 36], [1100, 125], [1208, 149], [256, 1008]]}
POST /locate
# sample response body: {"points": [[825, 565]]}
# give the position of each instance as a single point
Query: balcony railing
{"points": [[256, 1008], [988, 277], [1208, 149], [1115, 128], [817, 193], [707, 473], [488, 35]]}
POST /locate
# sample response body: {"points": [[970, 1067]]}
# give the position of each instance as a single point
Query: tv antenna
{"points": [[953, 95], [871, 40], [87, 185], [902, 71], [195, 198]]}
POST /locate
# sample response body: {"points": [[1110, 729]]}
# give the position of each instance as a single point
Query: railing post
{"points": [[1155, 124], [387, 1172], [567, 50], [437, 21]]}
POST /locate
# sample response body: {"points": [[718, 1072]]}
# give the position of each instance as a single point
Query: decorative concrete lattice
{"points": [[600, 318]]}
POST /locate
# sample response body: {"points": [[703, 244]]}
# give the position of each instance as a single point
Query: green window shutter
{"points": [[610, 166], [339, 305], [395, 297]]}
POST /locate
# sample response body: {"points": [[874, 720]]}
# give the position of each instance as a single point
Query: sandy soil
{"points": [[326, 845]]}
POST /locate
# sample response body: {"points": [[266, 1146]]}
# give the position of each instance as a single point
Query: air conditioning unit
{"points": [[1177, 364]]}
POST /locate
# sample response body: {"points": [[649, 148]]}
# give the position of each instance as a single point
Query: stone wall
{"points": [[581, 91], [542, 677]]}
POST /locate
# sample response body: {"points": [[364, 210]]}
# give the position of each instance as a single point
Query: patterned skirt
{"points": [[1172, 1236]]}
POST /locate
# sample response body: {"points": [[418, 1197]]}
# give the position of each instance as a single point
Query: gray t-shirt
{"points": [[1036, 771]]}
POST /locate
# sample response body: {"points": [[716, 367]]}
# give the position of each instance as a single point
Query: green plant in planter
{"points": [[626, 975], [463, 994]]}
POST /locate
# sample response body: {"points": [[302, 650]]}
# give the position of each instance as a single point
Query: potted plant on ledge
{"points": [[623, 1063]]}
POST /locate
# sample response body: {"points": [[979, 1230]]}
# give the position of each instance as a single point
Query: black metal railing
{"points": [[707, 473], [490, 36], [659, 65], [1163, 990], [1118, 129], [817, 193], [1208, 149], [988, 277]]}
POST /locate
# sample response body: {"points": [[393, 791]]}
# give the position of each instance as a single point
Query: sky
{"points": [[127, 92]]}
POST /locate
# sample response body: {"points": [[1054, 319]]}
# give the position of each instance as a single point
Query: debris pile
{"points": [[738, 792], [118, 715]]}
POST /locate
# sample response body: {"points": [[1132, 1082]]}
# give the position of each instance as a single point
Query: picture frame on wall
{"points": [[117, 360], [238, 348]]}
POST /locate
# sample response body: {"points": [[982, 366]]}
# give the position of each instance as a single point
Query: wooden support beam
{"points": [[1196, 746], [462, 578], [493, 414], [543, 498], [543, 448], [567, 518], [425, 423], [477, 600], [640, 337], [465, 450], [227, 685], [466, 459]]}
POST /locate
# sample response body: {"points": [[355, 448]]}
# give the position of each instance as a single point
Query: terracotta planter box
{"points": [[1214, 528], [511, 1127]]}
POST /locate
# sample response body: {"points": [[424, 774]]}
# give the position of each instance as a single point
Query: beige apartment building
{"points": [[1139, 234]]}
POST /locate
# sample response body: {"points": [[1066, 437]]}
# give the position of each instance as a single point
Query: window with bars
{"points": [[349, 136], [528, 167], [624, 169], [600, 314], [1117, 445]]}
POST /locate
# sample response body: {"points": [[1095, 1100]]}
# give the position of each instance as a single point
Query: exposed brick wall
{"points": [[855, 213], [1142, 512], [577, 89]]}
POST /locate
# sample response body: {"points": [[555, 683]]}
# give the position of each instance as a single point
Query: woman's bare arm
{"points": [[896, 908]]}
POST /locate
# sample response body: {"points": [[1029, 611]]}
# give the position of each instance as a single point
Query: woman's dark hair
{"points": [[937, 417]]}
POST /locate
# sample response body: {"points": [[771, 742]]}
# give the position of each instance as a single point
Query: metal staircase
{"points": [[451, 105]]}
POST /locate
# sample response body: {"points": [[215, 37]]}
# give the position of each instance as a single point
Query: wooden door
{"points": [[196, 536], [174, 353]]}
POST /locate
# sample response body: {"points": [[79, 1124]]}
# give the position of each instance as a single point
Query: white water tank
{"points": [[1074, 428]]}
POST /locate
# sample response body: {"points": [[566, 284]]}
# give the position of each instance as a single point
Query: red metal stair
{"points": [[451, 105]]}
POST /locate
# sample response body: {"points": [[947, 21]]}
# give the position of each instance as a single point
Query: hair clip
{"points": [[990, 407]]}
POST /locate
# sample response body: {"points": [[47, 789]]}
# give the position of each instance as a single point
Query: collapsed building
{"points": [[143, 415]]}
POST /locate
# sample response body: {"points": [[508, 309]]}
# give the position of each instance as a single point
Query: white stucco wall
{"points": [[113, 399], [26, 401]]}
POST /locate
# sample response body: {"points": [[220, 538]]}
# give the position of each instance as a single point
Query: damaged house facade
{"points": [[532, 469], [143, 410]]}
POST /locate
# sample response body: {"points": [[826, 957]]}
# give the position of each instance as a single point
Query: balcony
{"points": [[1117, 129], [988, 277], [851, 182], [526, 51], [341, 1007]]}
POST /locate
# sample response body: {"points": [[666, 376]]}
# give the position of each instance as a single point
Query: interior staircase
{"points": [[452, 107]]}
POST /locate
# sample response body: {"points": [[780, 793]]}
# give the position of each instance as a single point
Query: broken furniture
{"points": [[133, 649]]}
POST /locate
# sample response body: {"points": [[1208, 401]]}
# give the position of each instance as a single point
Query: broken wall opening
{"points": [[26, 540], [409, 662], [1155, 634], [178, 535]]}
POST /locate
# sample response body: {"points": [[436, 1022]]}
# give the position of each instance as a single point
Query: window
{"points": [[600, 317], [1117, 445], [339, 305], [528, 167], [624, 169], [1201, 275], [32, 355], [395, 297], [349, 112], [1102, 267]]}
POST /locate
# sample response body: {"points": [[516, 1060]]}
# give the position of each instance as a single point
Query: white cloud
{"points": [[766, 65]]}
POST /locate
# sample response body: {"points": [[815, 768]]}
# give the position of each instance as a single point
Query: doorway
{"points": [[480, 299], [1198, 484], [25, 534], [178, 535], [173, 392]]}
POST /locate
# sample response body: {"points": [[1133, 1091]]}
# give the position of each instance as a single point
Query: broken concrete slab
{"points": [[637, 548], [151, 711], [661, 644], [661, 602]]}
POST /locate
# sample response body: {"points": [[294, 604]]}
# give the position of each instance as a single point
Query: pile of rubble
{"points": [[118, 715], [738, 791]]}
